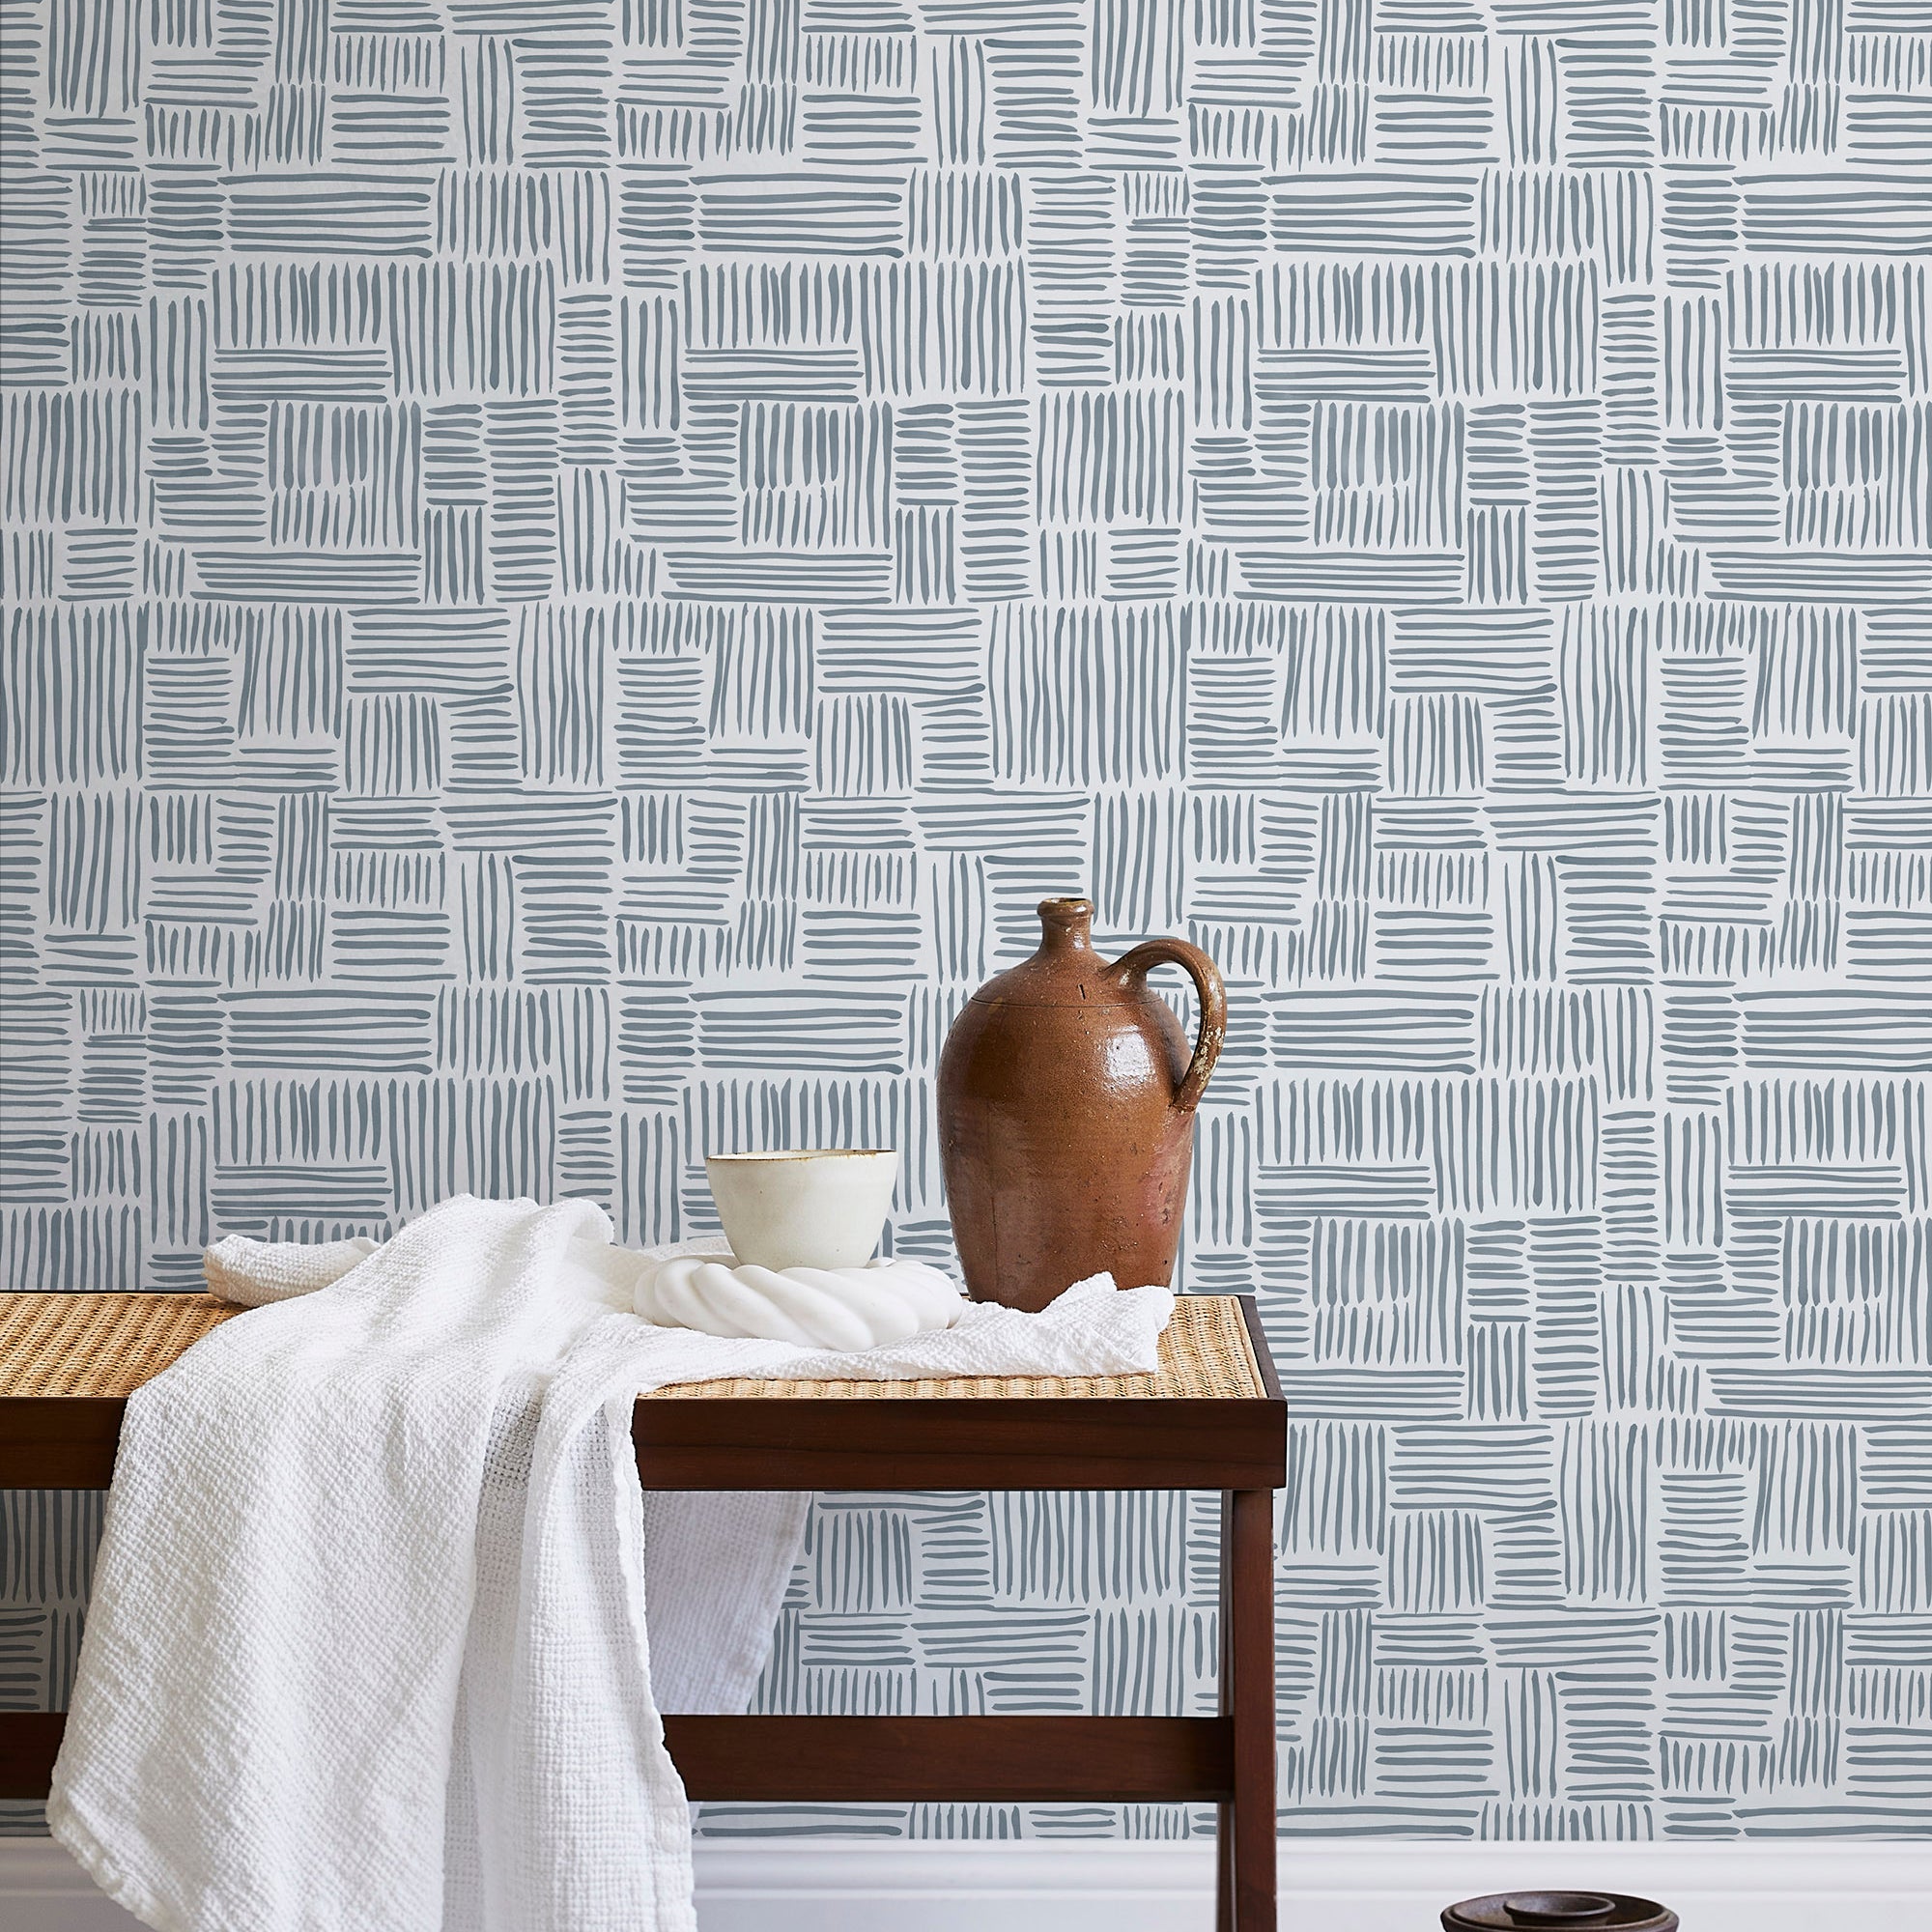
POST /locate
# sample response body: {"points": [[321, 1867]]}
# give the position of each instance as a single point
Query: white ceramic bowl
{"points": [[822, 1208]]}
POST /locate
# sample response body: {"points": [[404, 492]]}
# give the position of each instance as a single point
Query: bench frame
{"points": [[1238, 1446]]}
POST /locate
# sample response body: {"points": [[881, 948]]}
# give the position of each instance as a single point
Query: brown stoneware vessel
{"points": [[1066, 1097]]}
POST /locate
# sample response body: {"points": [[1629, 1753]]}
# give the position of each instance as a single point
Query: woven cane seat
{"points": [[109, 1345]]}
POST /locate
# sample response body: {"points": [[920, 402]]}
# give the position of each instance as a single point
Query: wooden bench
{"points": [[1210, 1418]]}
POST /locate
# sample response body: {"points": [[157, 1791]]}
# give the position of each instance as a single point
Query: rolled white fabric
{"points": [[253, 1273], [702, 1286], [850, 1309]]}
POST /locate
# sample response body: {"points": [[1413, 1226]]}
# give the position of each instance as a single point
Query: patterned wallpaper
{"points": [[576, 566]]}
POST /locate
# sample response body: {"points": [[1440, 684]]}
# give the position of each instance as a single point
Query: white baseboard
{"points": [[1358, 1884]]}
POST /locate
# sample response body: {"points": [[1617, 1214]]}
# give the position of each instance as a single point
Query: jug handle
{"points": [[1207, 978]]}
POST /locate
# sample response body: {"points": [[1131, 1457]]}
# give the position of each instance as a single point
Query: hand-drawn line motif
{"points": [[575, 567]]}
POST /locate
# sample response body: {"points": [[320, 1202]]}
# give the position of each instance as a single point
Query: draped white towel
{"points": [[367, 1649]]}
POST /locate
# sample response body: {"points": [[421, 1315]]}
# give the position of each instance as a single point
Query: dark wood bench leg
{"points": [[1246, 1852]]}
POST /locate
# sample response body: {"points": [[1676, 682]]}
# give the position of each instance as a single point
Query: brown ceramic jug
{"points": [[1066, 1097]]}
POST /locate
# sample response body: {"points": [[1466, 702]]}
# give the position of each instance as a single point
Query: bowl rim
{"points": [[804, 1154]]}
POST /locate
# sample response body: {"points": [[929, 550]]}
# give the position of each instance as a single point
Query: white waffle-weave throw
{"points": [[368, 1648]]}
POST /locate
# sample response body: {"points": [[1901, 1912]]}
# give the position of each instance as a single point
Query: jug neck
{"points": [[1066, 926]]}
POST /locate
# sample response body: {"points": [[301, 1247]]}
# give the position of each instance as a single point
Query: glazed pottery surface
{"points": [[1066, 1099], [822, 1208]]}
